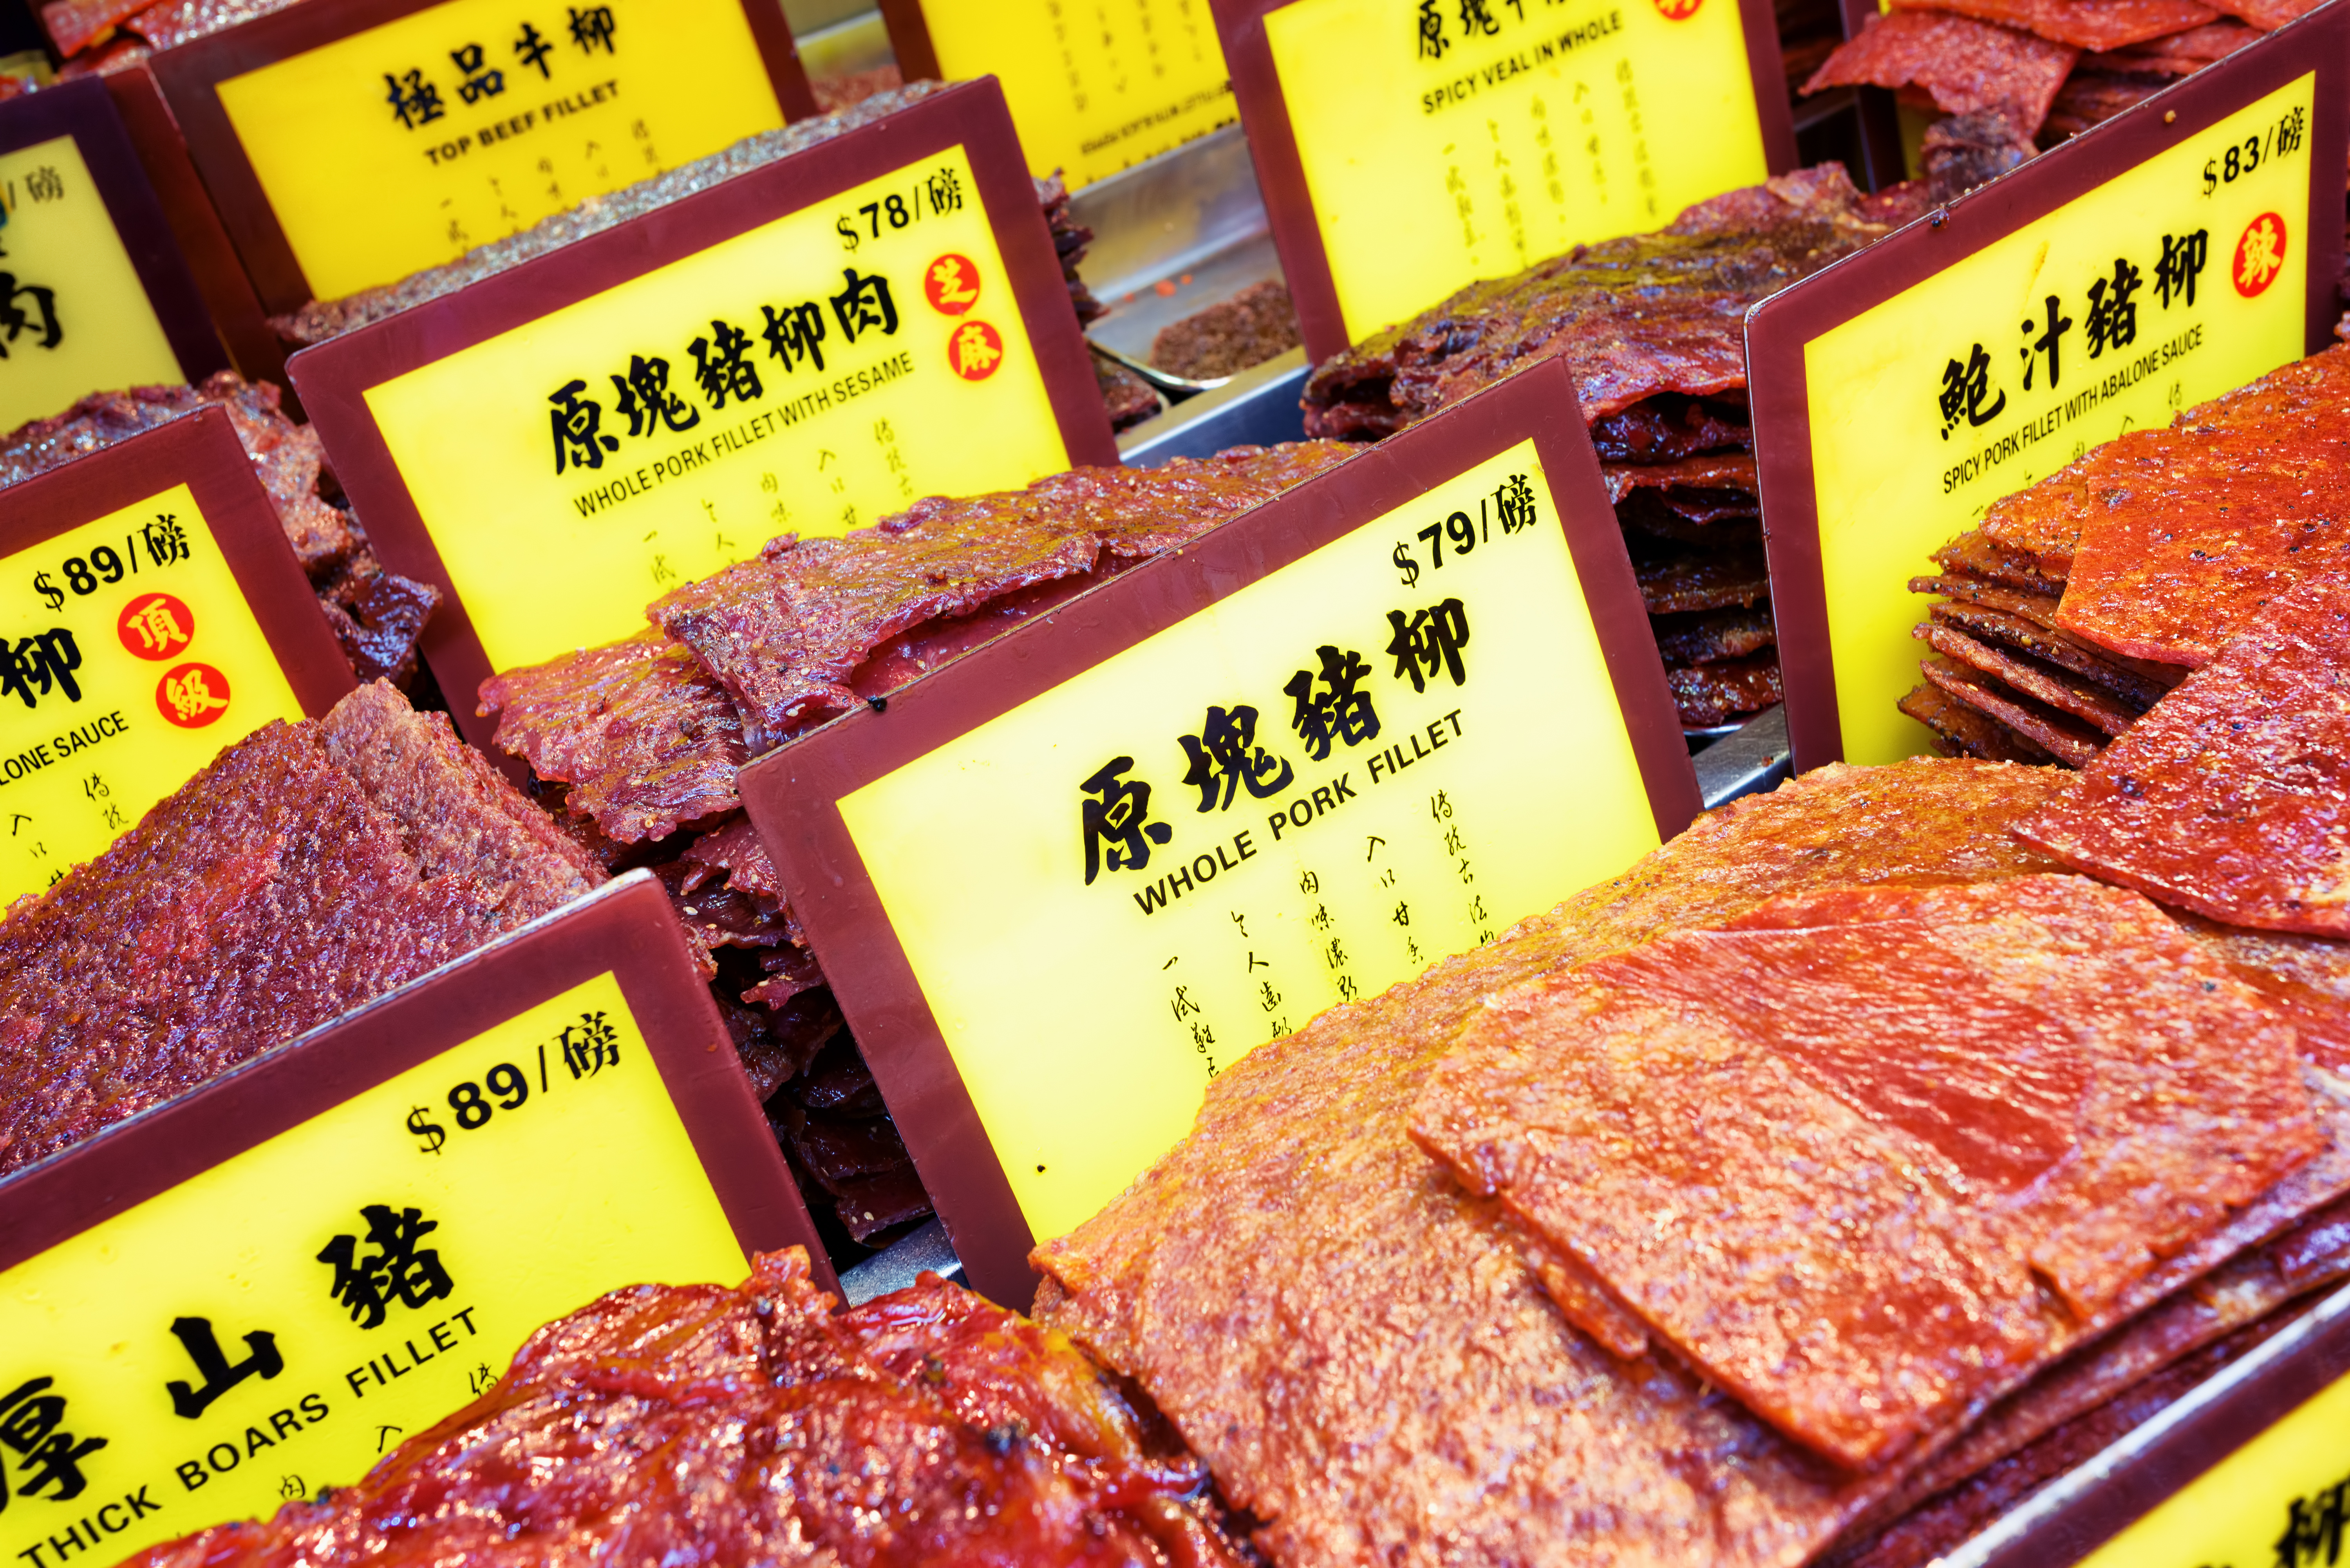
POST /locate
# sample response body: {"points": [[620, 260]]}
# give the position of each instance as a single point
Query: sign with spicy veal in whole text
{"points": [[351, 142], [151, 615], [2167, 256], [94, 294], [1408, 147], [804, 349], [1366, 725], [1092, 90], [255, 1292]]}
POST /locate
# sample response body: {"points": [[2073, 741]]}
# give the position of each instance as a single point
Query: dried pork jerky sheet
{"points": [[2175, 54], [1964, 65], [1255, 325], [2305, 978], [2083, 23], [1838, 1152], [1710, 694], [1961, 731], [2172, 539], [797, 634], [757, 1425], [311, 867], [1357, 1348], [1635, 318], [2232, 797], [1125, 397], [376, 615]]}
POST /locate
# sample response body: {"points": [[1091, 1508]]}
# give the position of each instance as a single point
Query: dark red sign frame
{"points": [[626, 926], [333, 377], [1280, 171], [84, 112], [200, 450], [792, 794], [191, 73], [1779, 327]]}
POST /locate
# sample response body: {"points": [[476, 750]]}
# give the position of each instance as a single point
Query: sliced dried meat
{"points": [[1126, 398], [1725, 470], [2305, 978], [1255, 325], [2091, 97], [735, 852], [755, 1423], [1711, 694], [1634, 319], [1712, 635], [1984, 556], [1294, 1281], [175, 22], [1964, 65], [2268, 15], [1831, 1151], [2178, 54], [647, 743], [2232, 796], [74, 24], [2083, 23], [1676, 579], [1670, 427], [2046, 683], [1962, 731], [2059, 734], [2133, 684]]}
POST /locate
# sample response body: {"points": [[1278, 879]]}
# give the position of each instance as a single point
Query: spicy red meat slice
{"points": [[1965, 66], [1832, 1151], [2083, 23], [2232, 797]]}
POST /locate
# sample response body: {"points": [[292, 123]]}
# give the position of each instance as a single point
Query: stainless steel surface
{"points": [[1256, 407], [894, 1269], [1178, 386], [1755, 759]]}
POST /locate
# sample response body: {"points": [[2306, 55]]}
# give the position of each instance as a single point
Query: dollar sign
{"points": [[47, 589], [425, 1129], [2210, 176], [847, 229], [1407, 565]]}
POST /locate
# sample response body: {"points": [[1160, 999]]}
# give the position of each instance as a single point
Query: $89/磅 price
{"points": [[582, 1050]]}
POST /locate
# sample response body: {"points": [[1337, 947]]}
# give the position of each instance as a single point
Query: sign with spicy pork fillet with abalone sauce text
{"points": [[151, 614], [2172, 253], [349, 143], [1408, 147], [805, 350], [94, 293], [1061, 884], [256, 1290]]}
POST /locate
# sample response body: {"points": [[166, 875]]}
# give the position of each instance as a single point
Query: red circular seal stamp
{"points": [[192, 695], [975, 351], [2260, 255], [951, 284], [155, 626], [1677, 10]]}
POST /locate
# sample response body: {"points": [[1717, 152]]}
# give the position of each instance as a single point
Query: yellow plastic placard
{"points": [[2170, 284], [274, 1325], [1314, 788], [406, 145], [2276, 1502], [1445, 144], [74, 317], [809, 376], [1093, 87], [129, 660]]}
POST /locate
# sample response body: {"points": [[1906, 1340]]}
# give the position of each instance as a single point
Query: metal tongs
{"points": [[1175, 387]]}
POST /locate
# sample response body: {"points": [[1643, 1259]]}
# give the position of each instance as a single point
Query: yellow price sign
{"points": [[140, 637], [1369, 724], [255, 1293], [804, 351], [1407, 149], [94, 295], [2175, 252], [1093, 90], [354, 144]]}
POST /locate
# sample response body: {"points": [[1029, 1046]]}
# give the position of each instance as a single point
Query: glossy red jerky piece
{"points": [[734, 852], [1634, 318], [1710, 694], [1830, 1151], [1725, 470], [2078, 698], [1360, 1351], [2136, 686], [1667, 429], [2083, 23], [647, 743], [1962, 731], [2268, 15], [2060, 735], [753, 1426], [1964, 65], [2232, 797], [1712, 636], [1681, 578], [2305, 978], [74, 24], [2178, 54]]}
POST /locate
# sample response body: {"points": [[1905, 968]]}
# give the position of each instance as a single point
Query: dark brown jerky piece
{"points": [[1712, 636], [2232, 796], [1979, 555], [839, 1082], [2138, 685], [2177, 54], [377, 618], [1729, 527], [1964, 65], [1961, 731], [735, 852], [2034, 678], [2036, 608], [1255, 325], [869, 1205], [1848, 1222], [1634, 319], [1126, 398], [1725, 471], [647, 743], [1711, 694], [1677, 580], [2062, 737], [2091, 97]]}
